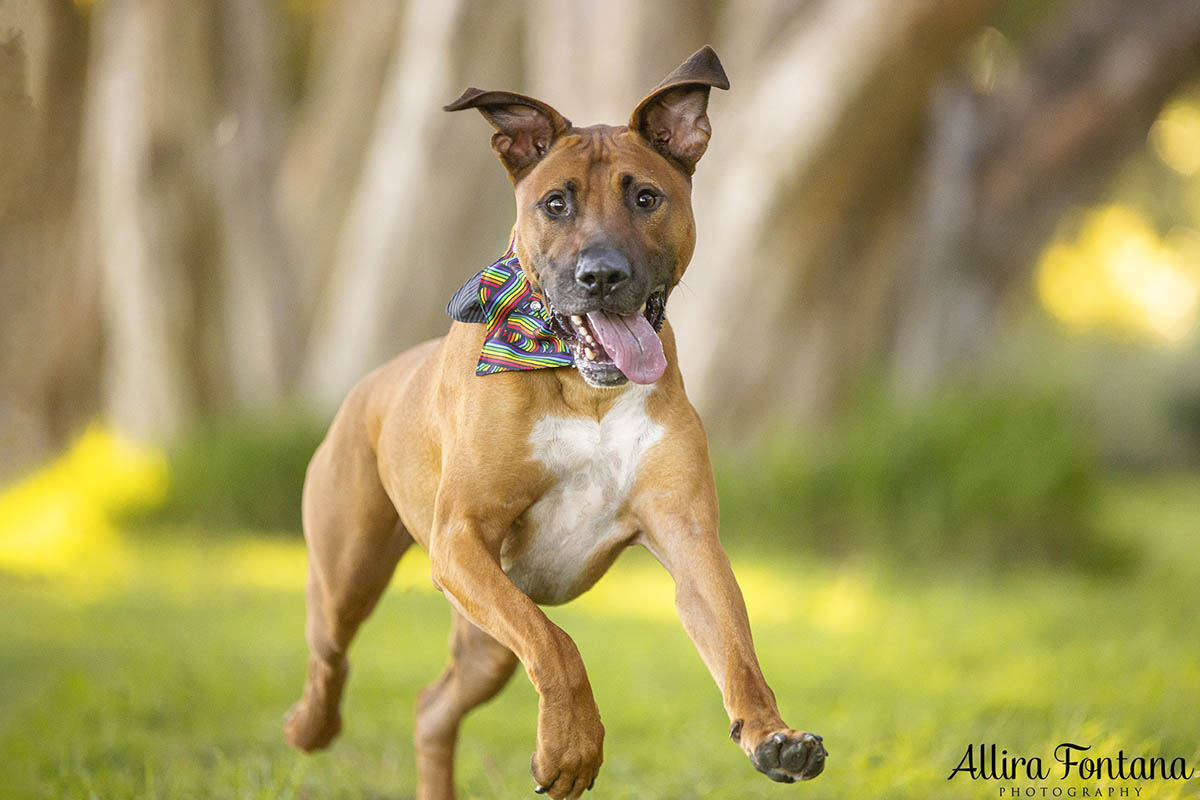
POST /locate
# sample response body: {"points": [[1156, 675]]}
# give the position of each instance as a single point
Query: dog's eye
{"points": [[555, 205], [646, 199]]}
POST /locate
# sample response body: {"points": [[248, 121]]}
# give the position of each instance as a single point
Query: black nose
{"points": [[600, 270]]}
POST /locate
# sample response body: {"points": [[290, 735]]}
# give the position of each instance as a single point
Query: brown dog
{"points": [[524, 486]]}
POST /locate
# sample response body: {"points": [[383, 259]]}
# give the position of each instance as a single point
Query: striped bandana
{"points": [[519, 335]]}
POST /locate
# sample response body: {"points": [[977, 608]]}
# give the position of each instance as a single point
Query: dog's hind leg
{"points": [[479, 668], [355, 540]]}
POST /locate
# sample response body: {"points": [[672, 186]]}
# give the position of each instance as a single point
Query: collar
{"points": [[519, 335]]}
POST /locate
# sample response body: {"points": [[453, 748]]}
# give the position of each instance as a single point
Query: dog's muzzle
{"points": [[611, 348]]}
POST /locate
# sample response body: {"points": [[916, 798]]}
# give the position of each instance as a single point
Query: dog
{"points": [[544, 434]]}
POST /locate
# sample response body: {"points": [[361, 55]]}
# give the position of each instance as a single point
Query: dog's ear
{"points": [[525, 128], [674, 117]]}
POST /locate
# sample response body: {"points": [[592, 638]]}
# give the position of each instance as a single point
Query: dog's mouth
{"points": [[610, 348]]}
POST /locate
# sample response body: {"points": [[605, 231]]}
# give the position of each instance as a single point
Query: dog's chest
{"points": [[568, 537]]}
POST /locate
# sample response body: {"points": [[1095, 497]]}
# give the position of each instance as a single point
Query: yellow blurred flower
{"points": [[59, 520]]}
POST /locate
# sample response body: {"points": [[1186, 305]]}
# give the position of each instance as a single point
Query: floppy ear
{"points": [[525, 128], [673, 118]]}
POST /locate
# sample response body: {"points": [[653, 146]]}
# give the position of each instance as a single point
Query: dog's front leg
{"points": [[464, 554], [681, 532]]}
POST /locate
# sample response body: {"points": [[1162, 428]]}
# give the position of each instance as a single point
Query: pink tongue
{"points": [[632, 343]]}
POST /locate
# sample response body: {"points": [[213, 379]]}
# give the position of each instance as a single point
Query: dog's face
{"points": [[604, 216], [604, 229]]}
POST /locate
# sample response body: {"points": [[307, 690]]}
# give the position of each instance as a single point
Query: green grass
{"points": [[167, 677]]}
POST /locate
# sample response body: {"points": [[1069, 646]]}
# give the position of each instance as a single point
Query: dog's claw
{"points": [[794, 756]]}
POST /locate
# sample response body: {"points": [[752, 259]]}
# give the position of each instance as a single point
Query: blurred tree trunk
{"points": [[354, 42], [351, 319], [570, 52], [261, 333], [182, 126], [896, 208], [49, 321], [800, 205], [147, 95]]}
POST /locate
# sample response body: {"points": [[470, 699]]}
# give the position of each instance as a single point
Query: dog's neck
{"points": [[582, 399]]}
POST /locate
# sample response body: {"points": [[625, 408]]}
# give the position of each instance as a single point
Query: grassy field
{"points": [[163, 668]]}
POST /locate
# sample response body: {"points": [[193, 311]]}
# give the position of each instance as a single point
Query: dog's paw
{"points": [[570, 751], [788, 756], [315, 720], [310, 728]]}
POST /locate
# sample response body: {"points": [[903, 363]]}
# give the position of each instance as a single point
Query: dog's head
{"points": [[604, 214]]}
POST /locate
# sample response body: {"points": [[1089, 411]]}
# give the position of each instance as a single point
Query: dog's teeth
{"points": [[589, 338], [578, 320], [590, 353]]}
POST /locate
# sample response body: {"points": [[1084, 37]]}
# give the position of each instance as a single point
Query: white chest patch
{"points": [[553, 551]]}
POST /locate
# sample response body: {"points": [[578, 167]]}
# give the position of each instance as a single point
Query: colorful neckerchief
{"points": [[519, 335]]}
